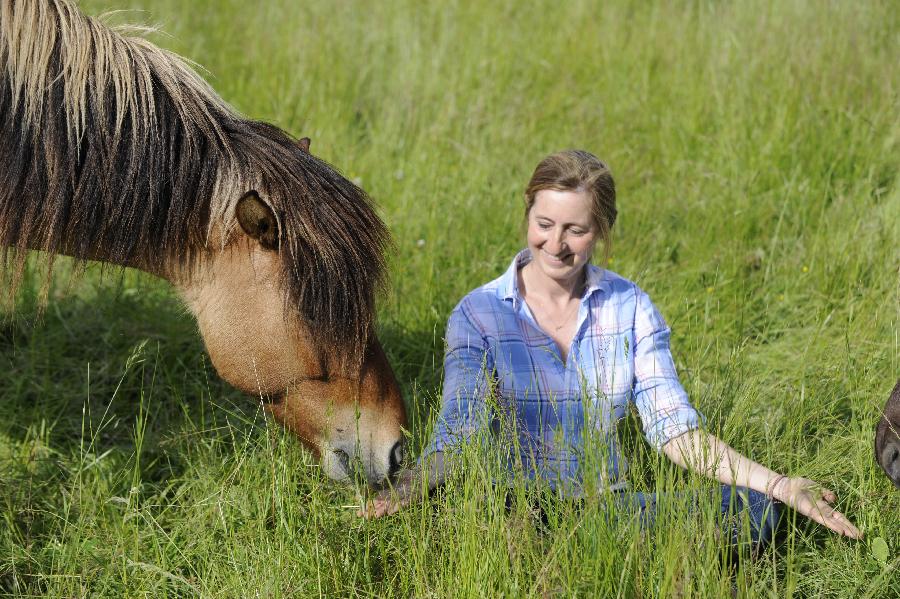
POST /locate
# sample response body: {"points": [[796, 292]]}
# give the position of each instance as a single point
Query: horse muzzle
{"points": [[889, 458], [374, 466]]}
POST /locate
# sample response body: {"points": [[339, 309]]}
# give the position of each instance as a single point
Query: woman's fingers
{"points": [[386, 507], [813, 501], [824, 514], [367, 510], [385, 503], [844, 526], [378, 507]]}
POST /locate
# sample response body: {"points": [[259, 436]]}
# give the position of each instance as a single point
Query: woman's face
{"points": [[561, 233]]}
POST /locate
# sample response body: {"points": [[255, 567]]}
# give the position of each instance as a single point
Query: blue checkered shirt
{"points": [[505, 375]]}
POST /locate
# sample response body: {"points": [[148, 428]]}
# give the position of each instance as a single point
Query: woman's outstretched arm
{"points": [[701, 452], [467, 368]]}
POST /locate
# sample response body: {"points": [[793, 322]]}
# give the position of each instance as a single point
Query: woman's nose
{"points": [[556, 242]]}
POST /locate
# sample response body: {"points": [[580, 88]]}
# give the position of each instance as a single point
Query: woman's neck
{"points": [[533, 282]]}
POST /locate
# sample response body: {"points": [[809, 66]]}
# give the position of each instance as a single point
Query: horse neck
{"points": [[162, 271]]}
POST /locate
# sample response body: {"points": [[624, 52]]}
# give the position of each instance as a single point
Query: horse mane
{"points": [[114, 149]]}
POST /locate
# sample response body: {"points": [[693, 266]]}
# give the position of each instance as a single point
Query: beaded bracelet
{"points": [[770, 487]]}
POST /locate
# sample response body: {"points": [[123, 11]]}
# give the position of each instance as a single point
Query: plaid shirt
{"points": [[502, 371]]}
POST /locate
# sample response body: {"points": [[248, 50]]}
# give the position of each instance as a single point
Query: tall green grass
{"points": [[755, 146]]}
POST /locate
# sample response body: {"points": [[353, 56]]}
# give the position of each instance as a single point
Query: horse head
{"points": [[887, 437], [284, 305], [350, 416]]}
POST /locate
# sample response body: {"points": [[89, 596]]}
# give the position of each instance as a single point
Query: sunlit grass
{"points": [[755, 147]]}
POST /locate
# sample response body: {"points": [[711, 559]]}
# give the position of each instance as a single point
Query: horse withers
{"points": [[112, 149], [887, 437]]}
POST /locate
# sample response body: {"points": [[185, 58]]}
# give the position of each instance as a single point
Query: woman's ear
{"points": [[258, 220]]}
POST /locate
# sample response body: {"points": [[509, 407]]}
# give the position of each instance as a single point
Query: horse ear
{"points": [[304, 144], [258, 220]]}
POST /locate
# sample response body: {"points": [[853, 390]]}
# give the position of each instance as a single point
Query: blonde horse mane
{"points": [[113, 149]]}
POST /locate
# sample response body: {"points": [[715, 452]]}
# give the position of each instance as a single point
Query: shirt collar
{"points": [[508, 289]]}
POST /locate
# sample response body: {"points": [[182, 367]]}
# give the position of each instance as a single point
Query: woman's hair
{"points": [[578, 170]]}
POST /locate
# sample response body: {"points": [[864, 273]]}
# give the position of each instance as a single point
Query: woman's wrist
{"points": [[774, 487], [407, 483]]}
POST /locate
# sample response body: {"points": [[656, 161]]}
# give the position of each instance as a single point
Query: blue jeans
{"points": [[746, 515]]}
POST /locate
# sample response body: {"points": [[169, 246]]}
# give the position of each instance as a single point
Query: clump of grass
{"points": [[755, 149]]}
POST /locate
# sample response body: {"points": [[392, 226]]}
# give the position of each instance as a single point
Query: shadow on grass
{"points": [[85, 370], [125, 370], [101, 387], [417, 359], [110, 392]]}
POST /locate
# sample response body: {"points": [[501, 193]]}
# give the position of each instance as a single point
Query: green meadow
{"points": [[755, 147]]}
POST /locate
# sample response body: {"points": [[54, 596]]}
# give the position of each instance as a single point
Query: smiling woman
{"points": [[114, 150], [563, 343]]}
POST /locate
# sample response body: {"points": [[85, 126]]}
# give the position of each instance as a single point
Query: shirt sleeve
{"points": [[661, 401], [467, 371]]}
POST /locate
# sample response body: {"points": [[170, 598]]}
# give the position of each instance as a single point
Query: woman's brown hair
{"points": [[578, 170]]}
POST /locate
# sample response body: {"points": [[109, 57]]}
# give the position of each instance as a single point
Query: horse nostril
{"points": [[344, 459], [396, 458]]}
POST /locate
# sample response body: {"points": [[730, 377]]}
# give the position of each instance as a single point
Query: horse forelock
{"points": [[116, 150]]}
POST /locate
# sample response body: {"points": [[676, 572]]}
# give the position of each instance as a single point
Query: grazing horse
{"points": [[887, 437], [112, 149]]}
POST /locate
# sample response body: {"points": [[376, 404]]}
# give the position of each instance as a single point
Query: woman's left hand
{"points": [[814, 501]]}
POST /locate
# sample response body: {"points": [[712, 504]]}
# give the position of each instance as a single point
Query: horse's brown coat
{"points": [[887, 437]]}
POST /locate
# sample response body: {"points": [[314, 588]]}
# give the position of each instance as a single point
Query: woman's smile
{"points": [[554, 259]]}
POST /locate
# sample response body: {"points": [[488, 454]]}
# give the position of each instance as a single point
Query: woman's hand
{"points": [[407, 488], [814, 501], [391, 500], [384, 503], [702, 452]]}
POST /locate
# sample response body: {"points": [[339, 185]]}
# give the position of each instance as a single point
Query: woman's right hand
{"points": [[814, 501], [391, 500], [384, 503], [406, 489]]}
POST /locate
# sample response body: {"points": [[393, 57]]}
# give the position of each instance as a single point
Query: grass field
{"points": [[755, 147]]}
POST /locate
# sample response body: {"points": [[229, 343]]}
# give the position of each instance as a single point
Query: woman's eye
{"points": [[544, 226], [577, 231]]}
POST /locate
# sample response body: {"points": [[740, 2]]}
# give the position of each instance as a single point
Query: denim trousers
{"points": [[747, 517]]}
